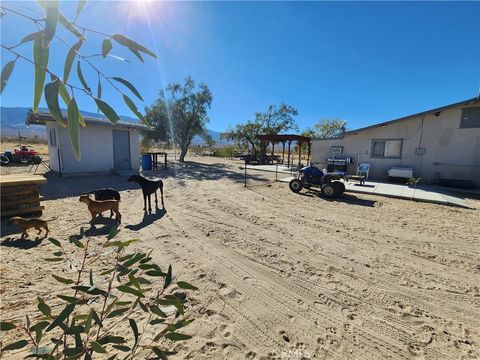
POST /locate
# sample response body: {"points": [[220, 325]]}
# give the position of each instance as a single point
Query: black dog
{"points": [[148, 188], [106, 194]]}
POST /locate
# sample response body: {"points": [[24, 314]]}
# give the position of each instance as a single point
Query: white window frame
{"points": [[385, 148]]}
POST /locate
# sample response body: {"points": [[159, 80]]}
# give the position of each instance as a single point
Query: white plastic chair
{"points": [[363, 169]]}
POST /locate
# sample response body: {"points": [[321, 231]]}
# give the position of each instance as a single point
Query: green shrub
{"points": [[226, 151], [96, 304]]}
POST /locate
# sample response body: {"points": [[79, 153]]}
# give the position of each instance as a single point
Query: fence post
{"points": [[245, 180], [276, 171]]}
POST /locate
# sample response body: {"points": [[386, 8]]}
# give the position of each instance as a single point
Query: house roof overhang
{"points": [[42, 118], [404, 118], [284, 137]]}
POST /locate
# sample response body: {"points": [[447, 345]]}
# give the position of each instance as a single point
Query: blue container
{"points": [[146, 162]]}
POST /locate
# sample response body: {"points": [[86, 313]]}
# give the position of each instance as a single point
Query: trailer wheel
{"points": [[329, 190], [340, 187], [295, 185]]}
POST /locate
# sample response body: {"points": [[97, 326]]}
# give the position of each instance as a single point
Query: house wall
{"points": [[450, 152], [96, 147], [53, 150]]}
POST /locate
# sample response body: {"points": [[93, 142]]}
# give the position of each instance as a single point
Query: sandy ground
{"points": [[281, 274]]}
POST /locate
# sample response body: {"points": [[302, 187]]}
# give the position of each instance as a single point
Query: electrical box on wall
{"points": [[420, 151]]}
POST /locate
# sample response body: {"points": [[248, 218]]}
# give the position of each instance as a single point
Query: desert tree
{"points": [[61, 84], [181, 113], [326, 128], [276, 120]]}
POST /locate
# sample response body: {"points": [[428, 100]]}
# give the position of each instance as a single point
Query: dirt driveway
{"points": [[283, 274]]}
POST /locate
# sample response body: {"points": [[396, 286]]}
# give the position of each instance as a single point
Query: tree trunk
{"points": [[183, 153]]}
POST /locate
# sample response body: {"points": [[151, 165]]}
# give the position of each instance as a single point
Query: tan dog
{"points": [[27, 224], [97, 207]]}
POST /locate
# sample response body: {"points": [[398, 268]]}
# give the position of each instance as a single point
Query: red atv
{"points": [[22, 155]]}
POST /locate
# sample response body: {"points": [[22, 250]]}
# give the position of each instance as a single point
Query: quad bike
{"points": [[312, 176], [22, 155]]}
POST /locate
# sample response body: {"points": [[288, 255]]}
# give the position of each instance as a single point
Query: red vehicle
{"points": [[24, 154]]}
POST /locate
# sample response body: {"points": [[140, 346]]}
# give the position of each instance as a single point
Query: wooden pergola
{"points": [[288, 138]]}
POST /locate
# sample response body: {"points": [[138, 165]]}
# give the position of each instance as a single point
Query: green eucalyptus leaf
{"points": [[137, 54], [88, 322], [70, 299], [168, 278], [51, 20], [80, 5], [16, 345], [53, 259], [62, 91], [96, 318], [44, 308], [133, 325], [97, 347], [110, 339], [62, 316], [123, 40], [129, 86], [81, 78], [63, 280], [107, 110], [132, 107], [161, 353], [106, 47], [177, 336], [156, 310], [6, 326], [185, 285], [99, 89], [6, 72], [117, 312], [51, 97], [69, 26], [73, 119], [113, 232], [54, 242], [72, 53], [40, 57], [129, 290], [33, 36], [123, 348]]}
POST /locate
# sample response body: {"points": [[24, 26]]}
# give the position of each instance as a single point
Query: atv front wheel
{"points": [[329, 190], [295, 185]]}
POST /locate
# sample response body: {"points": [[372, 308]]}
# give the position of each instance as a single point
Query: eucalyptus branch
{"points": [[43, 68]]}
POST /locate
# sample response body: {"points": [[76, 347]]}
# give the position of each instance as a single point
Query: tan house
{"points": [[437, 145]]}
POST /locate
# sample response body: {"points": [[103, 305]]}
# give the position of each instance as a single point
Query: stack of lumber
{"points": [[20, 194]]}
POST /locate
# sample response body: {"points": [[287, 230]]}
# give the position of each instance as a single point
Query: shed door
{"points": [[121, 150]]}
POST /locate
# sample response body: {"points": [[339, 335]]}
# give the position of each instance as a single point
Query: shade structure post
{"points": [[299, 153], [309, 152], [273, 147], [289, 143], [283, 152]]}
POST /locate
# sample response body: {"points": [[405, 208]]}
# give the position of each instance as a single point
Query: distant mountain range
{"points": [[12, 120]]}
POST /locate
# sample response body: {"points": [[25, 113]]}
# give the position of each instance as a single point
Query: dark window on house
{"points": [[53, 139], [387, 148], [470, 118], [336, 149]]}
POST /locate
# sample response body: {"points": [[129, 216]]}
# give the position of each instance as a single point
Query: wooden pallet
{"points": [[20, 194]]}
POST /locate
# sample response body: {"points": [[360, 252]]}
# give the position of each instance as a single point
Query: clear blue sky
{"points": [[365, 62]]}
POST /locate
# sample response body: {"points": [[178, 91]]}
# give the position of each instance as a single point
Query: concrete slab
{"points": [[421, 193]]}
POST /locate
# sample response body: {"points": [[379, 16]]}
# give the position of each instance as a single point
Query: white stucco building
{"points": [[438, 144], [105, 147]]}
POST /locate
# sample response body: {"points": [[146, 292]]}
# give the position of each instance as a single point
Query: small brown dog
{"points": [[97, 207], [27, 224]]}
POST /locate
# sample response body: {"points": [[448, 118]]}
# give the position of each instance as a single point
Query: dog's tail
{"points": [[52, 219]]}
